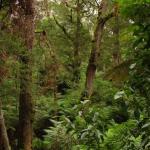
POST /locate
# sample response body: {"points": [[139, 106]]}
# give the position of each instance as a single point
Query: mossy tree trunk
{"points": [[25, 98], [4, 141], [116, 31], [26, 24], [96, 45], [77, 60]]}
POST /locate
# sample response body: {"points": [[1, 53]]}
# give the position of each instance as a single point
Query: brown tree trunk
{"points": [[116, 52], [4, 141], [77, 60], [25, 105], [91, 69], [96, 44], [25, 98]]}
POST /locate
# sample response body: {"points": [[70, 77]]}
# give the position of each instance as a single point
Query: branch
{"points": [[97, 2], [109, 16], [63, 29], [67, 5], [113, 13]]}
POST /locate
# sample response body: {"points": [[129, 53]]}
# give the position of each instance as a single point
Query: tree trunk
{"points": [[4, 141], [77, 60], [92, 65], [116, 52], [25, 104], [25, 98], [96, 44]]}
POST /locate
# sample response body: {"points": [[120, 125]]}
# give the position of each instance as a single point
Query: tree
{"points": [[74, 33], [4, 141], [102, 18], [77, 60], [116, 29], [23, 20]]}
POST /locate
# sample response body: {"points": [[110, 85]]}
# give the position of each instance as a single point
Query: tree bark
{"points": [[116, 31], [96, 45], [4, 141], [77, 60], [92, 65], [25, 97]]}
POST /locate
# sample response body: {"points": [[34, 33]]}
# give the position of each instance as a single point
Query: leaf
{"points": [[132, 66], [85, 101], [147, 145], [146, 125], [67, 119], [119, 95], [84, 135], [98, 133]]}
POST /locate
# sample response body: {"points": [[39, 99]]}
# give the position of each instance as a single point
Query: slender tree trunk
{"points": [[96, 45], [4, 141], [77, 60], [116, 52], [92, 65]]}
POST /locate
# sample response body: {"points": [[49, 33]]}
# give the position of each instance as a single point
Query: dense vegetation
{"points": [[75, 75]]}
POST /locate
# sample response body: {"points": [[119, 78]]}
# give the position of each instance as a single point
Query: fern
{"points": [[119, 137]]}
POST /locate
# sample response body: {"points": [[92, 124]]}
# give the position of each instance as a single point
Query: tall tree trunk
{"points": [[25, 104], [25, 98], [77, 60], [116, 30], [92, 65], [4, 141], [96, 44]]}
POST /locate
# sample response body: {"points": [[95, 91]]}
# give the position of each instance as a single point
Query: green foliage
{"points": [[104, 90], [121, 137], [10, 43], [38, 144], [58, 137], [116, 117]]}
